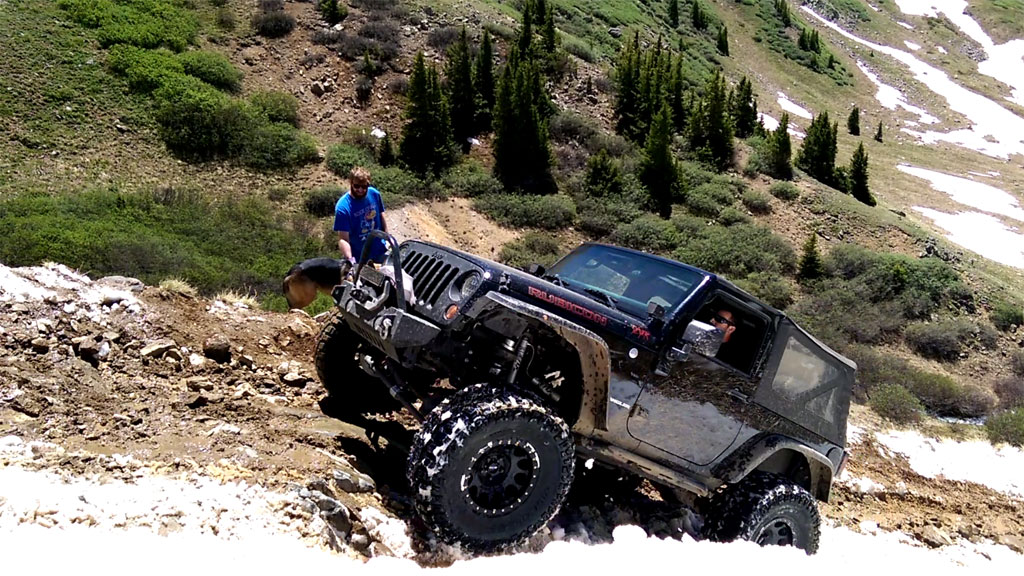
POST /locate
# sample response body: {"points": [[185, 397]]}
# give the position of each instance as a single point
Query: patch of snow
{"points": [[912, 46], [996, 131], [941, 50], [892, 98], [854, 434], [975, 461], [1004, 61], [969, 193], [980, 233], [769, 122], [792, 107], [860, 485], [905, 25], [377, 133], [873, 7]]}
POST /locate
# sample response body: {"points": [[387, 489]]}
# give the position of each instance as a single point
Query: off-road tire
{"points": [[347, 385], [449, 474], [767, 509]]}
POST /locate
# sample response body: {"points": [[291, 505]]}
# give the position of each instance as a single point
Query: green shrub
{"points": [[694, 174], [944, 396], [400, 186], [273, 24], [212, 68], [276, 106], [566, 126], [738, 251], [272, 146], [549, 212], [500, 30], [896, 403], [730, 215], [648, 233], [579, 49], [196, 120], [320, 202], [946, 339], [838, 311], [470, 181], [771, 288], [533, 248], [142, 23], [757, 202], [600, 216], [709, 198], [784, 191], [332, 11], [145, 70], [212, 245], [1006, 427], [278, 193], [342, 157], [226, 19], [1010, 392], [1017, 362], [921, 286], [1006, 315], [936, 340]]}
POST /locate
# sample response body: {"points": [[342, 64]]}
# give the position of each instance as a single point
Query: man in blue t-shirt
{"points": [[357, 214]]}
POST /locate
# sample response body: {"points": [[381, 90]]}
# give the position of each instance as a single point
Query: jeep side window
{"points": [[744, 344]]}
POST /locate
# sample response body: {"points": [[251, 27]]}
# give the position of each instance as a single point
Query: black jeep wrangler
{"points": [[631, 360]]}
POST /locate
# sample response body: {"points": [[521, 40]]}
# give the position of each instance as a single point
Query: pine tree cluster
{"points": [[817, 156], [809, 41], [853, 122], [782, 9], [698, 17]]}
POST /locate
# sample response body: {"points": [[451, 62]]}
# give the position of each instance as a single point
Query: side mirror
{"points": [[704, 339], [536, 270], [655, 310]]}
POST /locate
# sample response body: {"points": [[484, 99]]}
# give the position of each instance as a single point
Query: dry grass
{"points": [[233, 298], [178, 286]]}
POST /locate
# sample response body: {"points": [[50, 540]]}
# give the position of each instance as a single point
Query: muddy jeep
{"points": [[610, 356]]}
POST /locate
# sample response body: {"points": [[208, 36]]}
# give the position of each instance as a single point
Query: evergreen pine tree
{"points": [[461, 96], [603, 179], [780, 151], [818, 154], [859, 177], [710, 130], [657, 170], [525, 40], [782, 9], [811, 266], [723, 41], [853, 122], [744, 109], [627, 89], [427, 144], [878, 134], [804, 41], [522, 157], [386, 152], [697, 16], [549, 39], [483, 83], [677, 100], [673, 13]]}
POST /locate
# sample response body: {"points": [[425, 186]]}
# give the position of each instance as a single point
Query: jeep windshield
{"points": [[629, 281]]}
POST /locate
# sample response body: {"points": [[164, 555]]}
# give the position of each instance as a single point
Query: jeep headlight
{"points": [[464, 286]]}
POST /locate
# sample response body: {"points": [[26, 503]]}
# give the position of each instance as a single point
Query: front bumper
{"points": [[387, 328]]}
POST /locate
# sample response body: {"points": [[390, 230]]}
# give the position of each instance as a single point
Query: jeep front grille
{"points": [[431, 276]]}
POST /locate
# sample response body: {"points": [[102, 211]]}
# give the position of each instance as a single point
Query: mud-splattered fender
{"points": [[595, 361], [761, 449]]}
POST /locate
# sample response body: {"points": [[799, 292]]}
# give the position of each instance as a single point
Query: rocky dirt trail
{"points": [[125, 407]]}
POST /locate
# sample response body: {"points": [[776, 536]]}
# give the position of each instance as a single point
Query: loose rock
{"points": [[218, 348], [157, 349]]}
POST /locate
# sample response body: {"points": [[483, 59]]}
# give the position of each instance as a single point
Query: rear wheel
{"points": [[489, 468], [337, 365], [768, 509]]}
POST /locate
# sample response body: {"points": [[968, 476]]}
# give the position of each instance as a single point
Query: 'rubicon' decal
{"points": [[570, 306]]}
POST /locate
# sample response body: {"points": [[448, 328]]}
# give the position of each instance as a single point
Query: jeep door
{"points": [[695, 409]]}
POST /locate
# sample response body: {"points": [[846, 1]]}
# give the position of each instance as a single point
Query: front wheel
{"points": [[768, 509], [337, 365], [489, 471]]}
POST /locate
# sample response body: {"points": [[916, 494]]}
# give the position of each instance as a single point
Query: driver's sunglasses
{"points": [[721, 320]]}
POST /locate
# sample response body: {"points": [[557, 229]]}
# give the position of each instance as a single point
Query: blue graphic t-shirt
{"points": [[359, 217]]}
